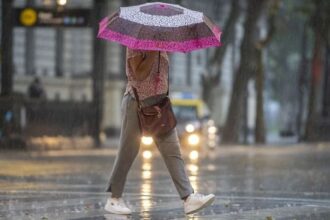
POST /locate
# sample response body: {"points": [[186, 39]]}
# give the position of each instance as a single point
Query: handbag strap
{"points": [[136, 97], [168, 84]]}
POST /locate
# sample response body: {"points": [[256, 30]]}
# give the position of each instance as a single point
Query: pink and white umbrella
{"points": [[160, 26]]}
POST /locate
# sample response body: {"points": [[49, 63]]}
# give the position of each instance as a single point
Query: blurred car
{"points": [[196, 130], [195, 127]]}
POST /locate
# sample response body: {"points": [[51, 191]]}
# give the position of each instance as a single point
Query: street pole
{"points": [[29, 46], [59, 52], [98, 72], [326, 85], [59, 38], [7, 49]]}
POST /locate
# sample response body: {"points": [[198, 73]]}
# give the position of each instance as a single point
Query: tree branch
{"points": [[271, 25], [227, 36]]}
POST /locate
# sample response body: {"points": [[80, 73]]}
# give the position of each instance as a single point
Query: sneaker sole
{"points": [[111, 216], [209, 202], [114, 212]]}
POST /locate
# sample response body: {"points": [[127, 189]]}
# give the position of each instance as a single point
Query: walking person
{"points": [[148, 31], [147, 72]]}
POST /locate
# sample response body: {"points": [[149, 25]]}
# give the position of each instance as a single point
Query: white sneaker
{"points": [[196, 202], [117, 206]]}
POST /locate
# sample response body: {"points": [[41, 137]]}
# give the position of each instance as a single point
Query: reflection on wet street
{"points": [[275, 182]]}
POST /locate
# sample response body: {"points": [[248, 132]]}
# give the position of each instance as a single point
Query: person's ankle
{"points": [[185, 198]]}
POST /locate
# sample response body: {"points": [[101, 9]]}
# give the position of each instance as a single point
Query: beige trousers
{"points": [[129, 145]]}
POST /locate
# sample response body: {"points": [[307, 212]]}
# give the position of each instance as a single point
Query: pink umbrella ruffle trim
{"points": [[171, 46]]}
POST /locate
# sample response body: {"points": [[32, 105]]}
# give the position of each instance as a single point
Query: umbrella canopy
{"points": [[160, 26]]}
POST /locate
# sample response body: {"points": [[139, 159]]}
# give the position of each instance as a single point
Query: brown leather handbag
{"points": [[156, 120]]}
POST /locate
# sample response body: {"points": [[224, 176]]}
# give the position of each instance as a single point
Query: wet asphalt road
{"points": [[273, 182]]}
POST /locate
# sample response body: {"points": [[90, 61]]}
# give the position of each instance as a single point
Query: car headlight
{"points": [[190, 128], [147, 140], [193, 139]]}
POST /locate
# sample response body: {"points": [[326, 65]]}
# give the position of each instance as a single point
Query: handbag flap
{"points": [[150, 110], [155, 109]]}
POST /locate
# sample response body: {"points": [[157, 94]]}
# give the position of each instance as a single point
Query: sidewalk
{"points": [[61, 143]]}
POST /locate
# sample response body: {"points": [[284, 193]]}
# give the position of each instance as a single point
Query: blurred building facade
{"points": [[62, 58]]}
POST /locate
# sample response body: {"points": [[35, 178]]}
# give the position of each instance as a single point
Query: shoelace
{"points": [[195, 196], [198, 195], [120, 203]]}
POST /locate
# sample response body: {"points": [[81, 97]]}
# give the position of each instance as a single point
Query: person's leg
{"points": [[169, 147], [128, 147]]}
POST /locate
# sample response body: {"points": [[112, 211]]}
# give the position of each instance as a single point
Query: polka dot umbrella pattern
{"points": [[160, 26]]}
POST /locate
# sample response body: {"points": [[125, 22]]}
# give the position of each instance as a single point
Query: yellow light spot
{"points": [[146, 166], [146, 189], [193, 169], [62, 2], [28, 17], [147, 154], [194, 155], [212, 130], [193, 139], [146, 174], [147, 140]]}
